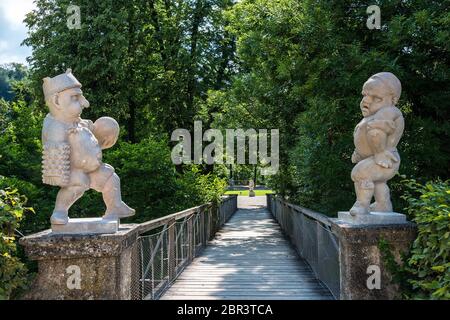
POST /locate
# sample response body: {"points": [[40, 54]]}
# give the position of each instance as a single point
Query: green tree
{"points": [[302, 66], [146, 63], [9, 74]]}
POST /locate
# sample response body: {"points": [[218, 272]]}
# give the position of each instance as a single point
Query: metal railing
{"points": [[310, 233], [165, 246]]}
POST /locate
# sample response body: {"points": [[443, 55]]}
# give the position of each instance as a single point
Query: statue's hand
{"points": [[356, 157], [108, 142], [385, 159]]}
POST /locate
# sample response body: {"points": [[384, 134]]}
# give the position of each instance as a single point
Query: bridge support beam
{"points": [[78, 267], [363, 273]]}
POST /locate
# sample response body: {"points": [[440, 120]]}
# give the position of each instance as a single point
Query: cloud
{"points": [[14, 11], [13, 31]]}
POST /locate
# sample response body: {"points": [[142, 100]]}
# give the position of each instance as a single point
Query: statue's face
{"points": [[71, 103], [374, 97]]}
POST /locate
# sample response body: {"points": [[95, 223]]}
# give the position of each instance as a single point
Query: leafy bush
{"points": [[425, 273], [20, 145], [13, 273], [196, 188], [148, 178], [151, 185], [40, 197]]}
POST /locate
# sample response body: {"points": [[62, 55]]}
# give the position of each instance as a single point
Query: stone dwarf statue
{"points": [[376, 138], [72, 150], [251, 187]]}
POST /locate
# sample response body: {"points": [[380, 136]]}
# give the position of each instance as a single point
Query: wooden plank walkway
{"points": [[248, 259]]}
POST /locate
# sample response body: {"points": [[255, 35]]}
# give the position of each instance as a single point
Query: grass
{"points": [[245, 192]]}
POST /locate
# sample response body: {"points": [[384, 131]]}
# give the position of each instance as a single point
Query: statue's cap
{"points": [[60, 83]]}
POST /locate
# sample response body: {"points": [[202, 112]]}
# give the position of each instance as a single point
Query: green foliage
{"points": [[197, 188], [12, 270], [151, 184], [20, 145], [302, 66], [148, 177], [9, 74], [425, 273], [39, 197], [145, 63]]}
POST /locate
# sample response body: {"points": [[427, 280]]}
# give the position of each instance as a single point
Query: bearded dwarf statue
{"points": [[72, 150], [376, 138]]}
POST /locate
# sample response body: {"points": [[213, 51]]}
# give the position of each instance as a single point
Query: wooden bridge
{"points": [[240, 248], [249, 258]]}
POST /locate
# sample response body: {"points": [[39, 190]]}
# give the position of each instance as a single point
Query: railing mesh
{"points": [[313, 239], [158, 257]]}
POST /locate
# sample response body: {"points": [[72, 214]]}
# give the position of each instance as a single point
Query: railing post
{"points": [[171, 249], [202, 226], [189, 237]]}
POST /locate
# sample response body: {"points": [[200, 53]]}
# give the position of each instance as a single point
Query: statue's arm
{"points": [[378, 132], [55, 157]]}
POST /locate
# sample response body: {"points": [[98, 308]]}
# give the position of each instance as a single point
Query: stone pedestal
{"points": [[85, 266], [251, 193], [86, 226], [372, 218], [360, 258]]}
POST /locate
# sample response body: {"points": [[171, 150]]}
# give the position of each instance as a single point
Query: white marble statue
{"points": [[376, 138], [72, 150]]}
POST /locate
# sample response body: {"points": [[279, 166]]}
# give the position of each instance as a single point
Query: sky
{"points": [[13, 31]]}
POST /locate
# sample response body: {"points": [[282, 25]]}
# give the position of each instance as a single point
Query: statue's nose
{"points": [[85, 103]]}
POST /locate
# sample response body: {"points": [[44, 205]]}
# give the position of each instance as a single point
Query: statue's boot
{"points": [[115, 207], [121, 211], [64, 200], [364, 193], [59, 217]]}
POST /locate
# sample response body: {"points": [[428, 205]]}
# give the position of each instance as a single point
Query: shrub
{"points": [[13, 273], [425, 273], [196, 188], [151, 185]]}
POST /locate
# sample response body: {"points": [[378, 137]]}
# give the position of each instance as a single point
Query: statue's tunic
{"points": [[62, 167]]}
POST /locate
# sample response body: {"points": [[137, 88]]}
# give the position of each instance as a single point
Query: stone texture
{"points": [[72, 151], [376, 138], [105, 263], [359, 248], [372, 218], [87, 226]]}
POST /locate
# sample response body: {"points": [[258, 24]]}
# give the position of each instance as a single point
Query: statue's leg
{"points": [[382, 194], [106, 181], [364, 193], [115, 207], [364, 187], [64, 200], [79, 183], [382, 198]]}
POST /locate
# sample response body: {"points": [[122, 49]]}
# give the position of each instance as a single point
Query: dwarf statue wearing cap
{"points": [[376, 138], [72, 150]]}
